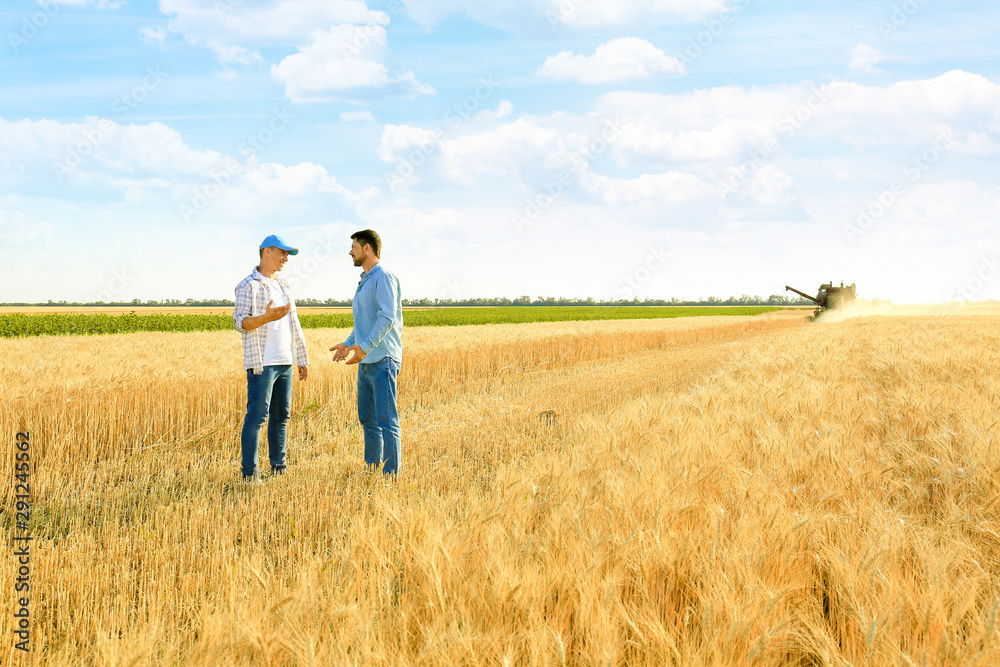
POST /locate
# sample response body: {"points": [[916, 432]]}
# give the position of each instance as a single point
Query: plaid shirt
{"points": [[252, 297]]}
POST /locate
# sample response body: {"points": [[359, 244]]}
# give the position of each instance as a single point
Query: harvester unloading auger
{"points": [[830, 297]]}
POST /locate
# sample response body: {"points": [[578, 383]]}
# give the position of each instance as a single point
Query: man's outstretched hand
{"points": [[342, 352], [273, 314], [339, 351]]}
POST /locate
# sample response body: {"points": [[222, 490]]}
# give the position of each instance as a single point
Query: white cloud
{"points": [[913, 113], [234, 28], [620, 59], [772, 187], [512, 151], [152, 164], [399, 141], [659, 182], [864, 58], [277, 180], [154, 36], [698, 159], [970, 206], [502, 111], [674, 187], [517, 154], [18, 230], [96, 4], [417, 224], [100, 146], [231, 54], [342, 49], [729, 124], [712, 132], [357, 117], [344, 62], [701, 126], [638, 13], [548, 15], [405, 146]]}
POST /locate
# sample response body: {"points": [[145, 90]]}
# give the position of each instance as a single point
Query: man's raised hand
{"points": [[359, 354], [274, 314]]}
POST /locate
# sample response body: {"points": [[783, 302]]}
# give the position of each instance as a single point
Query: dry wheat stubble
{"points": [[790, 495]]}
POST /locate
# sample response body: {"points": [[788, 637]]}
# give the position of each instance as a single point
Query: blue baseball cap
{"points": [[275, 241]]}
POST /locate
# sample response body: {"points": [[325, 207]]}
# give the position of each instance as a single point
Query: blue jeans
{"points": [[377, 413], [269, 396]]}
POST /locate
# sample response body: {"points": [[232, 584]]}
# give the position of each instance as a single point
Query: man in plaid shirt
{"points": [[272, 342]]}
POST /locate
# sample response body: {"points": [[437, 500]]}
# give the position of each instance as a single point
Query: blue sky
{"points": [[557, 147]]}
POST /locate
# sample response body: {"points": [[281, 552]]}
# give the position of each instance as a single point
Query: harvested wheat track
{"points": [[689, 492]]}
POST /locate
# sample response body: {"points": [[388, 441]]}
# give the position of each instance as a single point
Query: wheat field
{"points": [[704, 491]]}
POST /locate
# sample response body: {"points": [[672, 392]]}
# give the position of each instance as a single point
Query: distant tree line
{"points": [[745, 300]]}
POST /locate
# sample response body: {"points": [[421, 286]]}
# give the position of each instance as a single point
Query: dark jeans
{"points": [[377, 413], [269, 396]]}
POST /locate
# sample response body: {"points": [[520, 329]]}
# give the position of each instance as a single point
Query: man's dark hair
{"points": [[261, 253], [370, 237]]}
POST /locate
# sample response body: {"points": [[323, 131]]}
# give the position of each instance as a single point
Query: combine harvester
{"points": [[830, 297]]}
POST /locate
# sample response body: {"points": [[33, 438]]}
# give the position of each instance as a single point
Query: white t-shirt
{"points": [[278, 340]]}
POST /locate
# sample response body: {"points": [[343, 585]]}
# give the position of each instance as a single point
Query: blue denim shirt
{"points": [[378, 316]]}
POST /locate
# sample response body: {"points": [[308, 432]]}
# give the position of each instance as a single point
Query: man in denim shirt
{"points": [[376, 346]]}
